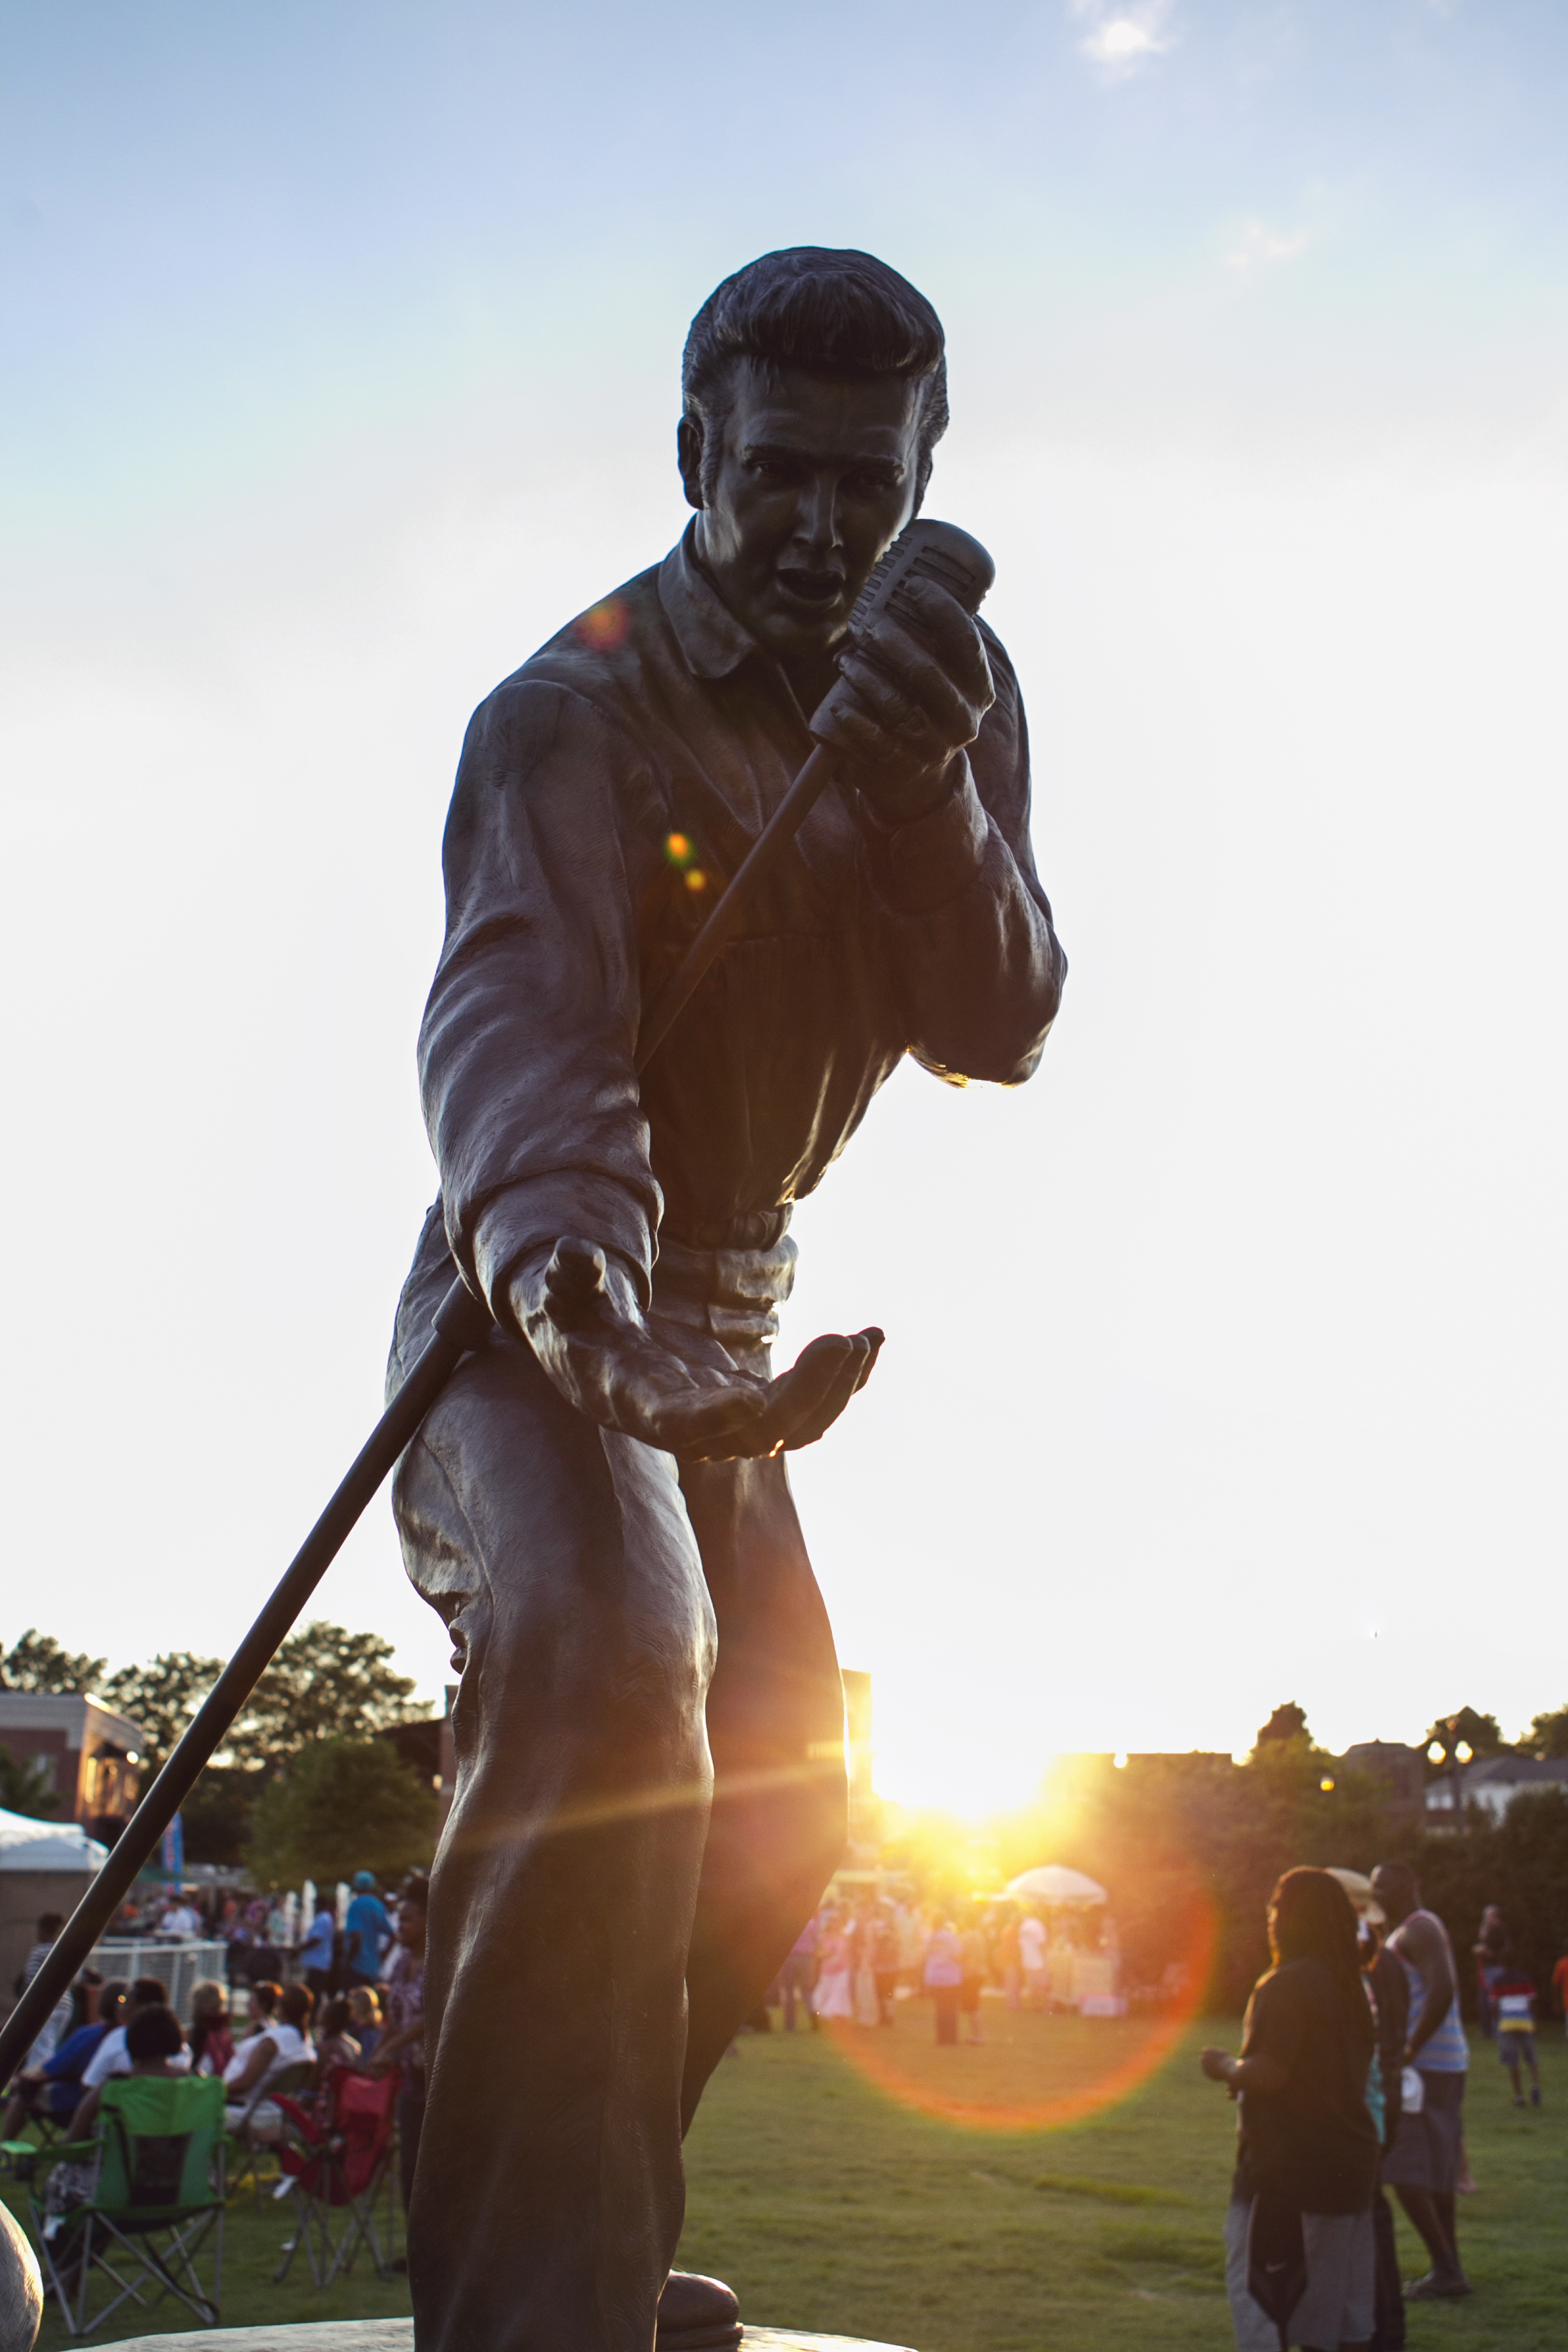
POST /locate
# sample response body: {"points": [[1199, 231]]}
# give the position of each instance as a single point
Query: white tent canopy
{"points": [[1052, 1882], [29, 1844]]}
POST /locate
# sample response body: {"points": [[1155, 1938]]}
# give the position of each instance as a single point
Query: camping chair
{"points": [[160, 2151], [244, 2143], [344, 2164]]}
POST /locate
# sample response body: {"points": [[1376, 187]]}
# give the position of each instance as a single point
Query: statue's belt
{"points": [[730, 1293]]}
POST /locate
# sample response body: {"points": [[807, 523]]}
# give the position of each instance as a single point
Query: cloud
{"points": [[1119, 40], [1259, 247]]}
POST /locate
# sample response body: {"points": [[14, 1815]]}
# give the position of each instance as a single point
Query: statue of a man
{"points": [[650, 1795]]}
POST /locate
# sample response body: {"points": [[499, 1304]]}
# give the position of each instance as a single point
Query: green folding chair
{"points": [[159, 2155]]}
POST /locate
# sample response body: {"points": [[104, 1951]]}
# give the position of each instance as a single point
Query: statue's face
{"points": [[814, 480]]}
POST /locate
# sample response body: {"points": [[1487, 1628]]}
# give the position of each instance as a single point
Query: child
{"points": [[1512, 1995], [364, 2010]]}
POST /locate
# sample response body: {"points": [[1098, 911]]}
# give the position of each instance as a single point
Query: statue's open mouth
{"points": [[813, 587]]}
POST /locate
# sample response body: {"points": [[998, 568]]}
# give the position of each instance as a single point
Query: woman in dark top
{"points": [[1299, 2235]]}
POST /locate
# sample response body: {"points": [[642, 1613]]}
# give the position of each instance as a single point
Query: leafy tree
{"points": [[24, 1786], [217, 1814], [342, 1805], [1481, 1731], [162, 1696], [1288, 1723], [37, 1663], [324, 1683], [1548, 1734]]}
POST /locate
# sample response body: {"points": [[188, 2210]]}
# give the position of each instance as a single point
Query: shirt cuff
{"points": [[547, 1208]]}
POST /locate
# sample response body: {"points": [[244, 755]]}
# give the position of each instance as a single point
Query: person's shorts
{"points": [[1516, 2049], [1425, 2149], [1342, 2271]]}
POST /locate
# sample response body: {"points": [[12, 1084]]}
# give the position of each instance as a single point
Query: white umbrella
{"points": [[29, 1844], [1052, 1882]]}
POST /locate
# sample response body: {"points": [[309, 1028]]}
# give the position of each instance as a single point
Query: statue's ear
{"points": [[688, 457]]}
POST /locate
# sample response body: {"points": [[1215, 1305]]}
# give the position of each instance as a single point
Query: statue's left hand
{"points": [[913, 690], [575, 1305]]}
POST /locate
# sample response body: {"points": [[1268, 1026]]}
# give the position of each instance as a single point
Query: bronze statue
{"points": [[650, 1794]]}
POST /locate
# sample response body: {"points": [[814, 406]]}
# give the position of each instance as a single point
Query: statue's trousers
{"points": [[649, 1802]]}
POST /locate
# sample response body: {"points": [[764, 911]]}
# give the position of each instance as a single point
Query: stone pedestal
{"points": [[397, 2336]]}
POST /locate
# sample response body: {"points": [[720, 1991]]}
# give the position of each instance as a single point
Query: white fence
{"points": [[180, 1966]]}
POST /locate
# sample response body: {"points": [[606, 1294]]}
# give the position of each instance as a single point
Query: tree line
{"points": [[301, 1787]]}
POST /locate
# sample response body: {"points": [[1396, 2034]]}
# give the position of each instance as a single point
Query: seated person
{"points": [[212, 2029], [53, 2091], [279, 2037], [335, 2044], [156, 2046], [364, 2009], [112, 2055]]}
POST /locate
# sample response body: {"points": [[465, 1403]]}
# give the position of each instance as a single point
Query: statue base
{"points": [[397, 2336]]}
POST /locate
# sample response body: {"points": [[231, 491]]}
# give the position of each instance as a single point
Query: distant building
{"points": [[93, 1755], [1401, 1771], [1494, 1784]]}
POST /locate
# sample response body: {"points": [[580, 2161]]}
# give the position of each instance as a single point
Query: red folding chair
{"points": [[342, 2165]]}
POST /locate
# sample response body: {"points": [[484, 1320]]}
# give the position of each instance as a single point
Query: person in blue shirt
{"points": [[367, 1931], [317, 1950], [50, 2091]]}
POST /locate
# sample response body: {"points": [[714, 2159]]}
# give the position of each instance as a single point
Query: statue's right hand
{"points": [[576, 1307]]}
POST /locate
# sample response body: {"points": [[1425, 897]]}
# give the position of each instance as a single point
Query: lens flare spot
{"points": [[678, 849], [603, 626], [696, 879], [1031, 2072]]}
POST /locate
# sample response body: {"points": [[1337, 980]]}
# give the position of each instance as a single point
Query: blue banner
{"points": [[174, 1848]]}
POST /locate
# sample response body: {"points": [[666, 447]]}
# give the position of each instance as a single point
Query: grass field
{"points": [[832, 2202]]}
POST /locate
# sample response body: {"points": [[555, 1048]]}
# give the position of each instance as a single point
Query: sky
{"points": [[339, 366]]}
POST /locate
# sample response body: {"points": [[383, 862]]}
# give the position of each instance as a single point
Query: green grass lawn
{"points": [[832, 2202]]}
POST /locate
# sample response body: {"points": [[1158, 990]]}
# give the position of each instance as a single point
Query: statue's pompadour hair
{"points": [[832, 312]]}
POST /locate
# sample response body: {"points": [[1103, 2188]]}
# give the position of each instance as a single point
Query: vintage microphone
{"points": [[937, 552]]}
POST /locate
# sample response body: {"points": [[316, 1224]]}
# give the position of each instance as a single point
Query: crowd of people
{"points": [[856, 1960], [1352, 2079], [262, 1932], [356, 2006]]}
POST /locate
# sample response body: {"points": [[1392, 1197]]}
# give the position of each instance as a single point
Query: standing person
{"points": [[834, 1991], [316, 1952], [943, 1974], [650, 1791], [799, 1975], [1390, 1991], [1560, 1983], [1422, 2165], [1490, 1944], [367, 1932], [57, 2026], [867, 2009], [1009, 1954], [885, 1964], [1034, 1954], [182, 1917], [976, 1968], [401, 2044], [1300, 2250], [1512, 1996]]}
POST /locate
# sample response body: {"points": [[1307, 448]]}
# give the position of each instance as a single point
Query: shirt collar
{"points": [[709, 636]]}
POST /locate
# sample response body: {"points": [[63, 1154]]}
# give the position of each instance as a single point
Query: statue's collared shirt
{"points": [[605, 792]]}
